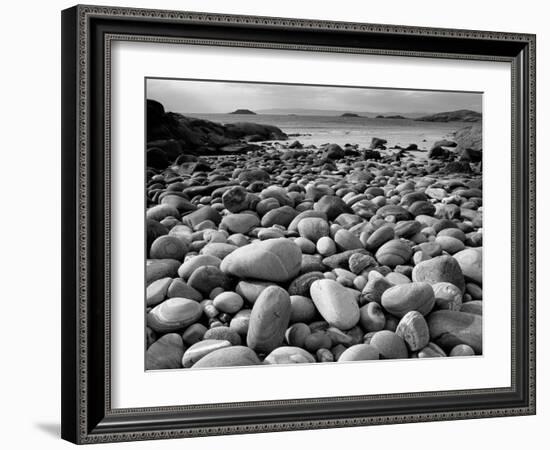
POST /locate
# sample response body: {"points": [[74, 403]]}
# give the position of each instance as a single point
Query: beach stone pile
{"points": [[283, 256]]}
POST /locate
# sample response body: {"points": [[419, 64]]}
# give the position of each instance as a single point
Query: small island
{"points": [[350, 115], [243, 111], [395, 116]]}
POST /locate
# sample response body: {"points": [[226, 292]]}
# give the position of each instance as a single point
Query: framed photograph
{"points": [[284, 224]]}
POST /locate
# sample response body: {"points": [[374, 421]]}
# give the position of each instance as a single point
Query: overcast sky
{"points": [[219, 97]]}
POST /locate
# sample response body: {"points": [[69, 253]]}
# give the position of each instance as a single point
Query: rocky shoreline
{"points": [[278, 254]]}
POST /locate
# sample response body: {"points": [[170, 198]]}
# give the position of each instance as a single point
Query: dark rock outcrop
{"points": [[438, 152], [334, 151], [469, 137], [243, 111], [378, 143], [170, 135], [461, 115]]}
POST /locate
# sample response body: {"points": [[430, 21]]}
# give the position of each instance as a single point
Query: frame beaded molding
{"points": [[84, 14]]}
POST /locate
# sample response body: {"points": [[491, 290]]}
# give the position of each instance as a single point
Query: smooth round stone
{"points": [[235, 199], [313, 228], [397, 278], [462, 350], [174, 314], [359, 262], [450, 244], [326, 246], [324, 355], [218, 249], [417, 296], [266, 205], [372, 317], [436, 193], [474, 290], [296, 334], [346, 240], [453, 232], [214, 236], [154, 230], [159, 212], [193, 334], [373, 290], [223, 334], [302, 309], [289, 355], [317, 340], [237, 355], [277, 192], [421, 207], [251, 289], [473, 307], [407, 228], [156, 291], [190, 265], [451, 328], [179, 288], [301, 285], [380, 237], [167, 247], [441, 268], [336, 304], [240, 321], [360, 282], [155, 269], [339, 337], [252, 175], [332, 206], [413, 329], [269, 320], [447, 296], [150, 337], [238, 239], [199, 350], [180, 203], [442, 224], [206, 278], [431, 248], [279, 216], [389, 344], [203, 214], [431, 351], [470, 262], [341, 260], [240, 223], [165, 353], [360, 352], [305, 245], [393, 253], [228, 302], [276, 260], [270, 233]]}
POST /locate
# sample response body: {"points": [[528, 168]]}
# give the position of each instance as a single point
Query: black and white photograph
{"points": [[310, 224]]}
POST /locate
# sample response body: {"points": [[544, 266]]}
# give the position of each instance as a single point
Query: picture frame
{"points": [[87, 35]]}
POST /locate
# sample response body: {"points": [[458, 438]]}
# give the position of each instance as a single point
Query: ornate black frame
{"points": [[87, 31]]}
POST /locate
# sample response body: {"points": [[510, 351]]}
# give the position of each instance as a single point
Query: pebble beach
{"points": [[278, 252]]}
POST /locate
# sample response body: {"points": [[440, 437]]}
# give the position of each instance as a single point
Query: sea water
{"points": [[318, 130]]}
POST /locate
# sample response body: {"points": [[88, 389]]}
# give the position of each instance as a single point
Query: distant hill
{"points": [[461, 115], [350, 115], [243, 111]]}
